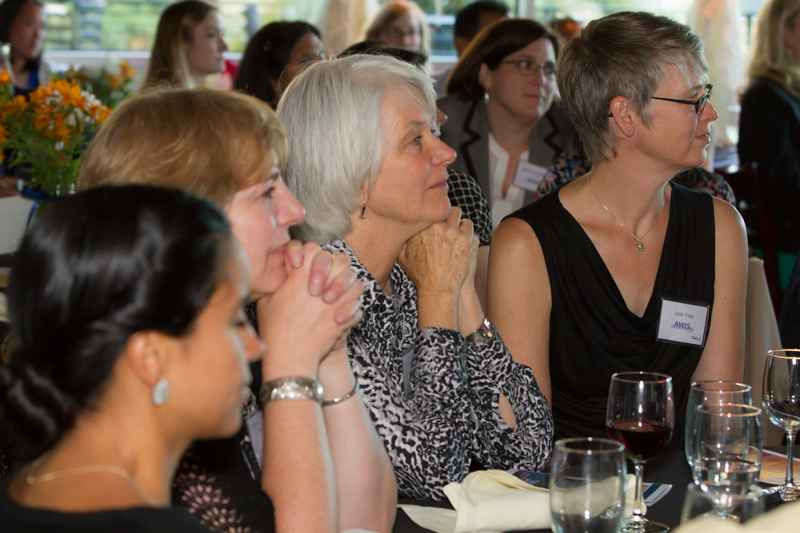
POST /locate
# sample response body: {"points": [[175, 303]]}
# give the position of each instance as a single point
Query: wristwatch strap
{"points": [[482, 335]]}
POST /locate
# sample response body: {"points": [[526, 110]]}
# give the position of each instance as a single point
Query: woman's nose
{"points": [[288, 209], [253, 345]]}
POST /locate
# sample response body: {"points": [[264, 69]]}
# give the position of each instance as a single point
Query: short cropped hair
{"points": [[168, 64], [493, 44], [771, 59], [212, 143], [468, 19], [624, 54], [333, 114]]}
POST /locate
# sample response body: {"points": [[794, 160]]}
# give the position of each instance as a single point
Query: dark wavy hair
{"points": [[266, 57], [9, 11], [493, 44], [94, 269]]}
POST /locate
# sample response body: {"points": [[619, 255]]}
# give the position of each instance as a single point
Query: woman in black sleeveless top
{"points": [[621, 270]]}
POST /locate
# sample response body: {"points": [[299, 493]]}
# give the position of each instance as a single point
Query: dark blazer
{"points": [[467, 132], [769, 134]]}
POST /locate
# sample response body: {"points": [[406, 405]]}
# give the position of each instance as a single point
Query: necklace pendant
{"points": [[640, 247]]}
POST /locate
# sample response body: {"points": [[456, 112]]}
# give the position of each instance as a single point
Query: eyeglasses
{"points": [[528, 67], [398, 33], [698, 104]]}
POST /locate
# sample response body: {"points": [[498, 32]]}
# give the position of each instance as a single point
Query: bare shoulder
{"points": [[514, 235], [728, 223]]}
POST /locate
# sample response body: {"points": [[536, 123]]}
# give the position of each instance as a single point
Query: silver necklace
{"points": [[639, 245]]}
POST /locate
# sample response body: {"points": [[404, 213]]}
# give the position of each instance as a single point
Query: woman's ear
{"points": [[485, 77], [148, 353], [623, 116], [363, 193]]}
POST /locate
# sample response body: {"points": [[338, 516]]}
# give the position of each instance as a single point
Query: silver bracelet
{"points": [[340, 399], [482, 335], [291, 388]]}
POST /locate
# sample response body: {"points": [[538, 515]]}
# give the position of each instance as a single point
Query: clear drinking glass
{"points": [[587, 486], [640, 414], [727, 446], [711, 392], [782, 402], [705, 499]]}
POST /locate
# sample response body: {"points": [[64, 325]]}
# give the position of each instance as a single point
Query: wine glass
{"points": [[727, 446], [782, 402], [711, 392], [704, 499], [640, 415], [587, 486]]}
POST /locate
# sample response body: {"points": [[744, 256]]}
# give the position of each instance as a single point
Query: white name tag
{"points": [[683, 323], [528, 175]]}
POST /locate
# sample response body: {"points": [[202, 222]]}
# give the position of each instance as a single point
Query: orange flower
{"points": [[40, 95], [114, 81], [127, 71], [41, 121], [70, 93], [5, 78]]}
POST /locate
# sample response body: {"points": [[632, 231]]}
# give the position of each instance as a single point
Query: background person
{"points": [[230, 147], [469, 21], [502, 120], [439, 383], [128, 352], [581, 280], [400, 23], [274, 55], [188, 46], [22, 25]]}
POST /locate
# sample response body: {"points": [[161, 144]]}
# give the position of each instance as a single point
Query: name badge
{"points": [[682, 322], [529, 176]]}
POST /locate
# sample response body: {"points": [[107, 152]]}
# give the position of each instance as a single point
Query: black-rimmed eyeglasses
{"points": [[698, 104], [528, 67]]}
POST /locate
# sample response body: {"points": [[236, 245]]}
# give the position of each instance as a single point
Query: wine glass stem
{"points": [[638, 468], [790, 435]]}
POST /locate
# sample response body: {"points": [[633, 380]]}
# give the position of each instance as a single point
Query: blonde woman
{"points": [[400, 24], [769, 126], [188, 46]]}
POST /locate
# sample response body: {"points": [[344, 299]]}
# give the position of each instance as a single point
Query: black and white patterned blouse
{"points": [[446, 411], [464, 191]]}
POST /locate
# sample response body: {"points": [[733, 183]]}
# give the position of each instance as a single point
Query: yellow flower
{"points": [[127, 71], [114, 81], [5, 78]]}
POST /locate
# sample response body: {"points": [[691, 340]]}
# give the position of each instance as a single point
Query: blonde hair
{"points": [[168, 64], [770, 57], [211, 143], [391, 11]]}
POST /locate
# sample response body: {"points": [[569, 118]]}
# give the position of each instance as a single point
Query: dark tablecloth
{"points": [[666, 467]]}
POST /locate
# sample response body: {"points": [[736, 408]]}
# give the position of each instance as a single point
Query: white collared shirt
{"points": [[515, 197]]}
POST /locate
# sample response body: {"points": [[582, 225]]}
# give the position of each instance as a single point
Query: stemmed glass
{"points": [[707, 393], [640, 415], [782, 402]]}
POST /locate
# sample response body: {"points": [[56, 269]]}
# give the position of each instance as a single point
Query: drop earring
{"points": [[363, 214], [161, 392]]}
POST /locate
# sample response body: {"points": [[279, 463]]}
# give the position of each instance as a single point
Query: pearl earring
{"points": [[161, 392]]}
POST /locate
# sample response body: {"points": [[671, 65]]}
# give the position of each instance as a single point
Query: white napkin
{"points": [[784, 518], [491, 501]]}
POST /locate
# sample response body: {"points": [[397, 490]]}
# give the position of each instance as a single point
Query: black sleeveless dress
{"points": [[592, 332]]}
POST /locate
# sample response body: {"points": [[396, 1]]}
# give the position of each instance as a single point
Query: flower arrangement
{"points": [[109, 87], [49, 131]]}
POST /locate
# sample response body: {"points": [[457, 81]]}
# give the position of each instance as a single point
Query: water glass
{"points": [[587, 486], [782, 402], [727, 445], [707, 499], [711, 392]]}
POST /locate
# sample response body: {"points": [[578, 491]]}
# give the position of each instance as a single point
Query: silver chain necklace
{"points": [[640, 245]]}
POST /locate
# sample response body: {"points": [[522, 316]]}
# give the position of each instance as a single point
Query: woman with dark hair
{"points": [[502, 120], [274, 55], [22, 26], [126, 303], [188, 46]]}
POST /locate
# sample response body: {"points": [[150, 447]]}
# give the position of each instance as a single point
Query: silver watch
{"points": [[482, 335], [291, 388]]}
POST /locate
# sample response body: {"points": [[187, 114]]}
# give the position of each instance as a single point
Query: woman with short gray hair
{"points": [[440, 385], [590, 279]]}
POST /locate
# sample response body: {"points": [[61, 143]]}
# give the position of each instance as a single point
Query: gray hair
{"points": [[624, 54], [333, 117]]}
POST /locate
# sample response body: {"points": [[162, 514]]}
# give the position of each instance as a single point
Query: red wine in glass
{"points": [[642, 438]]}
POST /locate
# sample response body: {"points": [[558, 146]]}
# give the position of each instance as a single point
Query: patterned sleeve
{"points": [[700, 179], [465, 192], [527, 446], [427, 429], [566, 167]]}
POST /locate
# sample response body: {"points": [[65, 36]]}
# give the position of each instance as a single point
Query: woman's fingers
{"points": [[295, 253]]}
